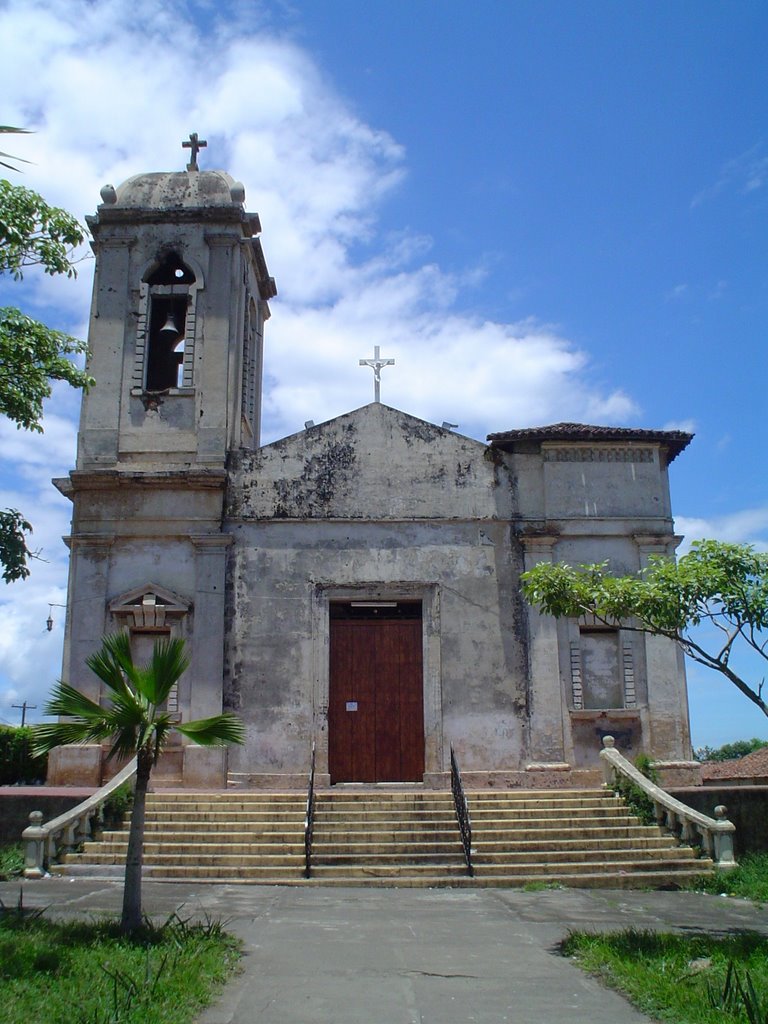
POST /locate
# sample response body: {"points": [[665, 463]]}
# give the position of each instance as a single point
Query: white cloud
{"points": [[747, 526], [111, 89], [744, 174], [687, 426]]}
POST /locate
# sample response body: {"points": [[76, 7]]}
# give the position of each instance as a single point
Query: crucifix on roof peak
{"points": [[195, 144], [376, 364]]}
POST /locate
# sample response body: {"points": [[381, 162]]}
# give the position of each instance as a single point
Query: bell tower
{"points": [[179, 304], [180, 300]]}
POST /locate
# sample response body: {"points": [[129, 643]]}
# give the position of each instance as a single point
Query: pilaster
{"points": [[546, 740], [208, 636], [665, 667]]}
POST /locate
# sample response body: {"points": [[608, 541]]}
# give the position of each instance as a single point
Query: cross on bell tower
{"points": [[195, 144]]}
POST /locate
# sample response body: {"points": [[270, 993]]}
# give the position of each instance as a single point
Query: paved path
{"points": [[408, 956]]}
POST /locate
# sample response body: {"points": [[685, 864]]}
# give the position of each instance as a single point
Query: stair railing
{"points": [[44, 843], [309, 819], [714, 835], [462, 812]]}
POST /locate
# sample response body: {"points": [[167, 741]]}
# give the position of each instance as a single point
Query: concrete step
{"points": [[397, 838]]}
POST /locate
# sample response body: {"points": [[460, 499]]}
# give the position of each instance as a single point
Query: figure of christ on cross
{"points": [[376, 364], [195, 144]]}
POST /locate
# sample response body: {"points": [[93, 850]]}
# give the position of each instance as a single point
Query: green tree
{"points": [[32, 233], [730, 751], [136, 725], [724, 586]]}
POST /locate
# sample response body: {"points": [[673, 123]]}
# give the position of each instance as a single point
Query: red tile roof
{"points": [[754, 765], [674, 440]]}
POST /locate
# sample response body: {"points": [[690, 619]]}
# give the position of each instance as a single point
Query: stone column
{"points": [[670, 737], [208, 637], [88, 596], [206, 767], [217, 348], [546, 743], [99, 424], [80, 765]]}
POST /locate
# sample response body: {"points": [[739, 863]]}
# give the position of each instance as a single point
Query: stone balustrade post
{"points": [[608, 772], [724, 858], [82, 829], [34, 837]]}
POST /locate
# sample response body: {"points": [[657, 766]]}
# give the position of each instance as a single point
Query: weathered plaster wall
{"points": [[273, 643], [375, 499], [376, 463]]}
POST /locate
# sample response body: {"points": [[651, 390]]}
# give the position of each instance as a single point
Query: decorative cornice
{"points": [[596, 453], [109, 479], [212, 540], [89, 540]]}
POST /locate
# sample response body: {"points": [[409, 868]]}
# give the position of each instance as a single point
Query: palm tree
{"points": [[6, 129], [136, 725]]}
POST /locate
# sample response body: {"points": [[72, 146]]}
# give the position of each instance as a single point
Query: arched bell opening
{"points": [[169, 300]]}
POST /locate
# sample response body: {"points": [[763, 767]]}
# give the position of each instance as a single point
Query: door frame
{"points": [[429, 595]]}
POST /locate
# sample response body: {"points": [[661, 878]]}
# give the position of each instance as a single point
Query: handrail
{"points": [[462, 812], [714, 834], [309, 819], [68, 830]]}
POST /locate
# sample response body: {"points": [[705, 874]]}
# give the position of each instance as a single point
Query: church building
{"points": [[353, 588]]}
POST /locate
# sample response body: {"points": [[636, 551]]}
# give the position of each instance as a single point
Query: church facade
{"points": [[353, 588]]}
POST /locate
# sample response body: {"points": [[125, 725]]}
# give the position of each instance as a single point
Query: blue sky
{"points": [[542, 210]]}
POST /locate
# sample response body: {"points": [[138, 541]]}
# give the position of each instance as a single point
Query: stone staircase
{"points": [[379, 836]]}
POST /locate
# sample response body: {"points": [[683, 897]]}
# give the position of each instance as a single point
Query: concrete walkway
{"points": [[407, 956]]}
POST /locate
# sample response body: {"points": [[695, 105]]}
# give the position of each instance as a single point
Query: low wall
{"points": [[17, 801], [747, 809]]}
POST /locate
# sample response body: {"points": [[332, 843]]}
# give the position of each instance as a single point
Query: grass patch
{"points": [[681, 979], [749, 880], [88, 973], [11, 861]]}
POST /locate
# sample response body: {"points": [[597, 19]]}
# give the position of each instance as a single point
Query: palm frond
{"points": [[6, 129], [169, 662], [226, 728], [47, 736], [113, 664], [124, 744], [66, 700]]}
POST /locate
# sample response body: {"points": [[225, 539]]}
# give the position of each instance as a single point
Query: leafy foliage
{"points": [[717, 584], [730, 751], [117, 805], [17, 761], [636, 799], [31, 356], [32, 233], [136, 724], [14, 550]]}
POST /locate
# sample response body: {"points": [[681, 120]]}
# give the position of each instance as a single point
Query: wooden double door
{"points": [[376, 705]]}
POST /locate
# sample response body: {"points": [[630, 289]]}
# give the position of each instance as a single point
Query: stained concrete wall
{"points": [[379, 503]]}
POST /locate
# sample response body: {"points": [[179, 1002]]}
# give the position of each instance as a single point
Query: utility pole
{"points": [[23, 708]]}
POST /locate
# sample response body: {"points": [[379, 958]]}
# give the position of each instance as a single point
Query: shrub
{"points": [[17, 765], [636, 799]]}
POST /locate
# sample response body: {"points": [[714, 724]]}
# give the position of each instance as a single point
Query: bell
{"points": [[169, 327]]}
